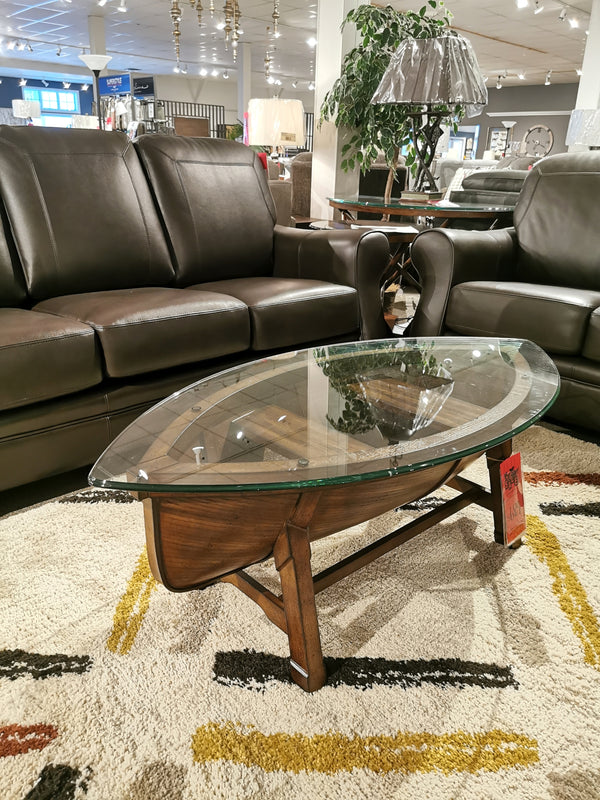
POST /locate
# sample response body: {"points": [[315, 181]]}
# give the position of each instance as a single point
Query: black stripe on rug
{"points": [[17, 663], [560, 508], [251, 670], [59, 782], [99, 496]]}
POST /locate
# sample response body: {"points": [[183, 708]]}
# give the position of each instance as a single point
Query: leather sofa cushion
{"points": [[591, 346], [496, 180], [286, 312], [216, 205], [558, 244], [12, 280], [554, 317], [146, 329], [43, 356], [80, 211]]}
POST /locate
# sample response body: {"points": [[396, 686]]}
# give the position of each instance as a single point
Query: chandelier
{"points": [[231, 28]]}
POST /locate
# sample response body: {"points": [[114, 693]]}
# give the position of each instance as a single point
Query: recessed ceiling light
{"points": [[522, 3]]}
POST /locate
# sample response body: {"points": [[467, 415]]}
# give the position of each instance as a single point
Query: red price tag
{"points": [[513, 506]]}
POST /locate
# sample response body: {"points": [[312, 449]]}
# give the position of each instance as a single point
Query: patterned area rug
{"points": [[457, 669]]}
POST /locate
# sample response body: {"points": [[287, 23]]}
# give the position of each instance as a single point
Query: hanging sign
{"points": [[513, 506], [143, 87], [114, 84]]}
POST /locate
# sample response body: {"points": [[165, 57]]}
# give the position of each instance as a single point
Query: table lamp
{"points": [[276, 123], [584, 128], [96, 62], [425, 74]]}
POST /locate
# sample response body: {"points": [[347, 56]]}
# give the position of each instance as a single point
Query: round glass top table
{"points": [[432, 208], [264, 458]]}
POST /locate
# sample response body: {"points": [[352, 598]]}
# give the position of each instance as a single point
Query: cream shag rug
{"points": [[458, 669]]}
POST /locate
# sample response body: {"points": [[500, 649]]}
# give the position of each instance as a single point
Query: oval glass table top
{"points": [[366, 201], [333, 414]]}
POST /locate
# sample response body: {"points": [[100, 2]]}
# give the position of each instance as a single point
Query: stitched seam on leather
{"points": [[157, 320], [44, 209], [303, 299], [33, 343], [142, 214], [497, 292]]}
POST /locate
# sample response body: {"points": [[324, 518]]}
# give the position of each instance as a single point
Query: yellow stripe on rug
{"points": [[333, 752], [572, 597], [132, 607]]}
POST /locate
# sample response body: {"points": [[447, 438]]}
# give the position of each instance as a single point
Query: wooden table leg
{"points": [[292, 560], [495, 456]]}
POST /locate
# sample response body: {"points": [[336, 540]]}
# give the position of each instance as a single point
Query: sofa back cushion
{"points": [[555, 222], [217, 210], [80, 210], [12, 281]]}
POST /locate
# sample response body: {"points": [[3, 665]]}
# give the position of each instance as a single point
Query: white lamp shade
{"points": [[584, 127], [26, 108], [274, 122], [95, 61]]}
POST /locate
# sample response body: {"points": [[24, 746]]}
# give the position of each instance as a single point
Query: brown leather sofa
{"points": [[130, 270], [538, 280]]}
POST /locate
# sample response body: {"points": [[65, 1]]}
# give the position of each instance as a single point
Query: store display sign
{"points": [[115, 84], [513, 505], [143, 87]]}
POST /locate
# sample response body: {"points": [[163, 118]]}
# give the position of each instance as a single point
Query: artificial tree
{"points": [[378, 128]]}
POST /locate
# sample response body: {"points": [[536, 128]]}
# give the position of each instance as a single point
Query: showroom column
{"points": [[244, 78], [588, 93], [97, 34], [328, 180]]}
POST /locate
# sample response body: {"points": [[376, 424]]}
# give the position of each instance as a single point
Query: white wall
{"points": [[217, 91]]}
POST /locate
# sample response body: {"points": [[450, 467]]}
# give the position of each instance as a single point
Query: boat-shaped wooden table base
{"points": [[196, 539]]}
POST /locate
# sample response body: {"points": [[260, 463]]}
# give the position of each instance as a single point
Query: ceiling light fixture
{"points": [[122, 6], [85, 87], [45, 82], [28, 47], [579, 72], [312, 42], [522, 3], [563, 14], [204, 72], [573, 22], [226, 75], [230, 23], [294, 84], [521, 76], [215, 73], [23, 82], [11, 45], [20, 45], [311, 87], [102, 3], [548, 75], [498, 83], [59, 51], [538, 7], [66, 85]]}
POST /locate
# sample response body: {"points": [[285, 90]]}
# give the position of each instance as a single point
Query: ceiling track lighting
{"points": [[548, 76], [122, 6], [499, 82], [563, 14], [538, 7], [59, 51], [23, 82]]}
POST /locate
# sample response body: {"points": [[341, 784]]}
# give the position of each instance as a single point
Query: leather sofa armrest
{"points": [[348, 257], [444, 257]]}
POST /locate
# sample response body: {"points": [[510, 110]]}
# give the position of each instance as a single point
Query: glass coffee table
{"points": [[262, 459]]}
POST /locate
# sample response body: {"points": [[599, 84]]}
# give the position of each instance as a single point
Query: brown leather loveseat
{"points": [[539, 280], [128, 271]]}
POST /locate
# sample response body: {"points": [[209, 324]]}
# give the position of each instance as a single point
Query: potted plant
{"points": [[378, 128]]}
